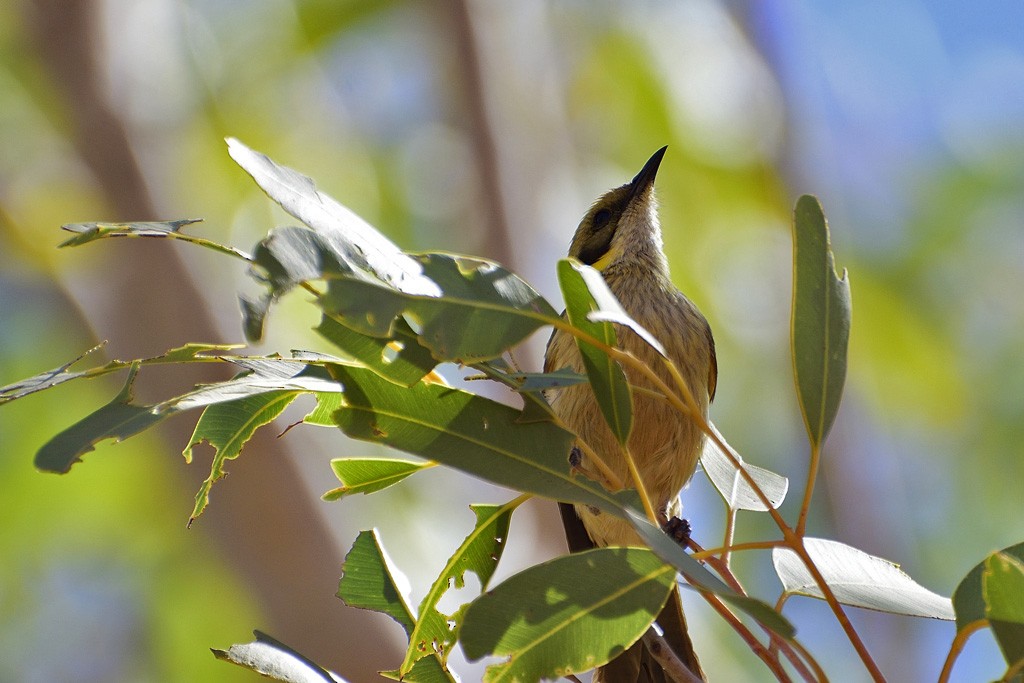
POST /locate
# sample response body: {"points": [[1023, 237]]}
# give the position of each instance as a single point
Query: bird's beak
{"points": [[645, 178]]}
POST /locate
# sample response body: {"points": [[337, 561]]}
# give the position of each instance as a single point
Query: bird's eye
{"points": [[602, 217]]}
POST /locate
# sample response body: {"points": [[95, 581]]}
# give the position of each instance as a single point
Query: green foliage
{"points": [[605, 374], [821, 320], [227, 427], [369, 475], [551, 623], [396, 316]]}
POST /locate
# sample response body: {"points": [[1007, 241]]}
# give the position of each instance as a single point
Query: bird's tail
{"points": [[638, 665]]}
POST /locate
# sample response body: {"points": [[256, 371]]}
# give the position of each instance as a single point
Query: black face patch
{"points": [[597, 244], [598, 239]]}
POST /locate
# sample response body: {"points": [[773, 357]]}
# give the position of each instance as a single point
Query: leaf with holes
{"points": [[367, 581], [435, 632], [227, 427]]}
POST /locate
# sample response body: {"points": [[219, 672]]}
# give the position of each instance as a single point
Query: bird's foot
{"points": [[575, 457], [678, 530]]}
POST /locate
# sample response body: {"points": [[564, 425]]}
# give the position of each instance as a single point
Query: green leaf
{"points": [[607, 379], [567, 615], [734, 489], [479, 310], [699, 577], [820, 322], [352, 244], [51, 378], [468, 432], [541, 381], [254, 315], [859, 580], [273, 659], [117, 420], [401, 359], [367, 582], [90, 232], [426, 670], [1003, 588], [227, 427], [323, 414], [969, 599], [263, 375], [368, 475], [606, 306], [478, 553]]}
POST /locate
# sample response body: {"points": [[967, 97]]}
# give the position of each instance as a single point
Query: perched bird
{"points": [[620, 236]]}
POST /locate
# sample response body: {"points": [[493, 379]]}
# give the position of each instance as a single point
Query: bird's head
{"points": [[622, 226]]}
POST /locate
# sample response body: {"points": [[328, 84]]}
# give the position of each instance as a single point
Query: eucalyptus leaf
{"points": [[90, 232], [273, 659], [858, 579], [188, 353], [607, 379], [369, 475], [263, 375], [117, 420], [402, 359], [479, 311], [358, 246], [468, 432], [1003, 587], [607, 307], [820, 321], [227, 427], [968, 598], [480, 552], [732, 486], [542, 381], [428, 669], [567, 615], [367, 581]]}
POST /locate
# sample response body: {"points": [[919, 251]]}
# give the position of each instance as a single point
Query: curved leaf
{"points": [[1003, 587], [426, 670], [227, 427], [733, 487], [358, 246], [401, 359], [820, 321], [275, 660], [478, 312], [90, 232], [567, 615], [435, 632], [859, 580], [369, 475], [968, 598], [468, 432], [188, 353], [367, 582], [607, 379], [117, 420]]}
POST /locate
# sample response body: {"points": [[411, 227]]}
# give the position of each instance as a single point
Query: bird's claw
{"points": [[678, 530]]}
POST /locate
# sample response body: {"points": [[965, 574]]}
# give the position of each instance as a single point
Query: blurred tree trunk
{"points": [[263, 520]]}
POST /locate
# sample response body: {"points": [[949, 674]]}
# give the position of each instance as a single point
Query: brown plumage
{"points": [[621, 237]]}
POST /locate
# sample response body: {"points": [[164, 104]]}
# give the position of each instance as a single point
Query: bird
{"points": [[620, 236]]}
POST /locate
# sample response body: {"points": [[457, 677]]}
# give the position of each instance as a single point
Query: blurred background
{"points": [[488, 128]]}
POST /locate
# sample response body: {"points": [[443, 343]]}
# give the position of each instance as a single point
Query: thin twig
{"points": [[667, 658]]}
